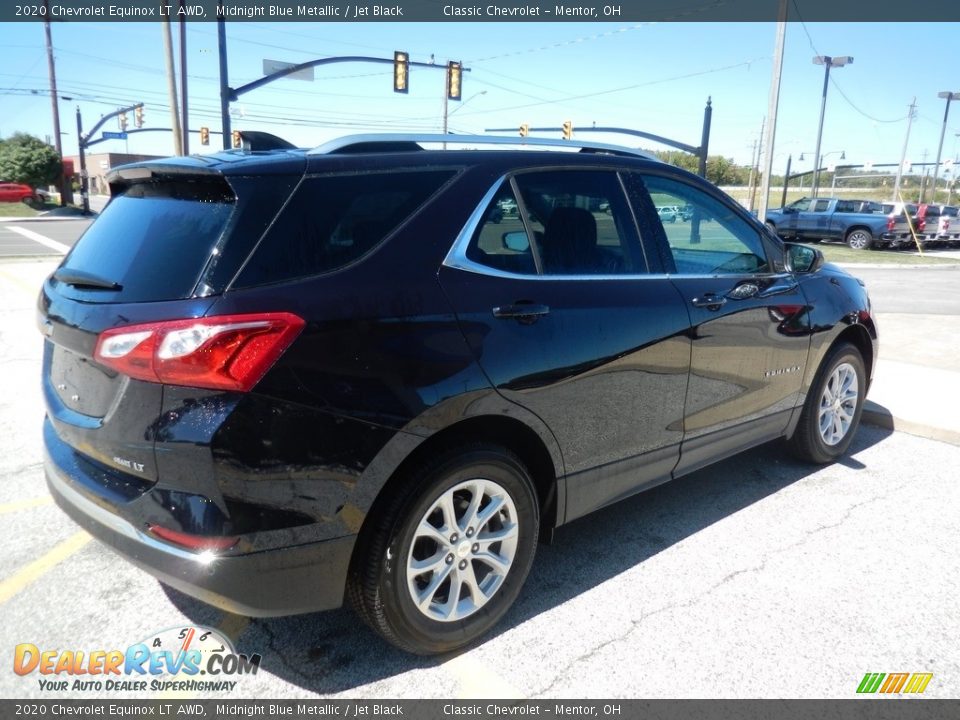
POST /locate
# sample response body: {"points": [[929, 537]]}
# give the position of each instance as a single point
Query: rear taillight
{"points": [[225, 352], [198, 543], [891, 223]]}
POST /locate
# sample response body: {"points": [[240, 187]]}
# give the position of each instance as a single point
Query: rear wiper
{"points": [[81, 279]]}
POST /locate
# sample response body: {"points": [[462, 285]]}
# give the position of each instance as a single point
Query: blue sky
{"points": [[655, 77]]}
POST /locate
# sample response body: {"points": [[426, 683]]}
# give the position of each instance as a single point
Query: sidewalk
{"points": [[916, 387], [915, 399], [60, 213]]}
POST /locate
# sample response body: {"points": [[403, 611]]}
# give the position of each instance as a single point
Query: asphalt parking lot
{"points": [[758, 577]]}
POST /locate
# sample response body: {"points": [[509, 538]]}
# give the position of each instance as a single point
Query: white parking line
{"points": [[42, 239]]}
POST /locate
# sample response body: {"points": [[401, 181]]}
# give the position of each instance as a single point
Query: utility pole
{"points": [[772, 105], [903, 154], [55, 105], [172, 87], [224, 80], [948, 96], [755, 167], [923, 180], [183, 81]]}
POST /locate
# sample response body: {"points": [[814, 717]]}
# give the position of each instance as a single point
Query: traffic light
{"points": [[524, 130], [138, 116], [237, 140], [567, 130], [401, 72], [454, 80], [123, 121], [204, 135]]}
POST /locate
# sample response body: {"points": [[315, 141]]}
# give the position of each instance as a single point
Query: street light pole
{"points": [[828, 62], [943, 131]]}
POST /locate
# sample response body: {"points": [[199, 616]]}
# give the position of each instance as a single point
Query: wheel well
{"points": [[858, 227], [497, 430], [859, 337]]}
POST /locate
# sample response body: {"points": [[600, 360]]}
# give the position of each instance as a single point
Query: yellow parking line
{"points": [[479, 681], [18, 505], [22, 578]]}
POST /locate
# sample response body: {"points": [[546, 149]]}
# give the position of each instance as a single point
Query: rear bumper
{"points": [[299, 579]]}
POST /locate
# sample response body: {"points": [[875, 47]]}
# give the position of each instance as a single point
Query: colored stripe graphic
{"points": [[918, 683], [870, 682], [895, 682]]}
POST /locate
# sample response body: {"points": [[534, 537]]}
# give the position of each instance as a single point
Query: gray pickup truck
{"points": [[861, 224]]}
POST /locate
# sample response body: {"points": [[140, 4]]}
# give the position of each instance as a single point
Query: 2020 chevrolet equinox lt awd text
{"points": [[279, 379]]}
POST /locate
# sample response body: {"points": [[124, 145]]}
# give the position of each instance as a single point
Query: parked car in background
{"points": [[936, 227], [668, 213], [18, 192], [854, 222], [950, 217], [279, 380]]}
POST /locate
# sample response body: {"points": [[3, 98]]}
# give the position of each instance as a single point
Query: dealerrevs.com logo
{"points": [[177, 659]]}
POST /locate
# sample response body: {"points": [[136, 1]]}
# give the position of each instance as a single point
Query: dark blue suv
{"points": [[278, 379]]}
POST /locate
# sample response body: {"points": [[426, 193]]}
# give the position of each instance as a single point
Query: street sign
{"points": [[107, 135], [272, 66]]}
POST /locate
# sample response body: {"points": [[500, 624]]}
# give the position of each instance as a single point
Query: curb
{"points": [[40, 218], [895, 266], [878, 415]]}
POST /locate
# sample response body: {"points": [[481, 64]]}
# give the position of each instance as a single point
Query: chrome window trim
{"points": [[457, 259], [346, 141]]}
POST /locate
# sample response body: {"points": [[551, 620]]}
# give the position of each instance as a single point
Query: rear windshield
{"points": [[333, 220], [153, 240]]}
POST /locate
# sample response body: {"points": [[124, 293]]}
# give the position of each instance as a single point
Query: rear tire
{"points": [[859, 239], [834, 404], [446, 556]]}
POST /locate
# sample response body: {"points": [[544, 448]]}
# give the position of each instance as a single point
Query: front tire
{"points": [[831, 413], [449, 552]]}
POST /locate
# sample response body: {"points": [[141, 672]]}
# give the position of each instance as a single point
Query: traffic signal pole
{"points": [[84, 195], [229, 94], [83, 141]]}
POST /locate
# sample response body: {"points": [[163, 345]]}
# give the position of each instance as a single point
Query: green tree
{"points": [[720, 170], [28, 160]]}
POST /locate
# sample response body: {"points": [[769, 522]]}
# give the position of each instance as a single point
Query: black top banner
{"points": [[852, 11]]}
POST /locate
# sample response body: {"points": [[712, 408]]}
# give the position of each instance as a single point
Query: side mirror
{"points": [[516, 241], [802, 258]]}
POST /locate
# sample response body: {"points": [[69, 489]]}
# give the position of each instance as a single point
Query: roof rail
{"points": [[391, 142]]}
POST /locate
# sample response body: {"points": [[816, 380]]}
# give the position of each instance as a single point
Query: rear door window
{"points": [[559, 222], [333, 220], [153, 240]]}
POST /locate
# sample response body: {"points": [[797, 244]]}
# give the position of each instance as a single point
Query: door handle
{"points": [[709, 301], [524, 312]]}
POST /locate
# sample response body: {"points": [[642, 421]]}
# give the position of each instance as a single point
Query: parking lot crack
{"points": [[560, 678]]}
